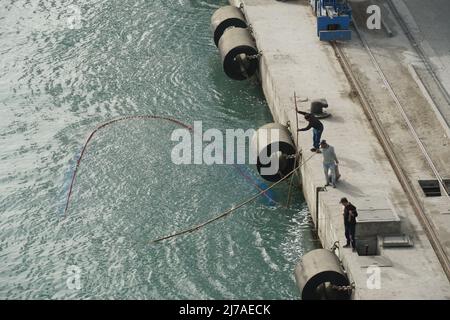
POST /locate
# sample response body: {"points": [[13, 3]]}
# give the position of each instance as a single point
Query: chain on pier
{"points": [[255, 56], [351, 287], [335, 246]]}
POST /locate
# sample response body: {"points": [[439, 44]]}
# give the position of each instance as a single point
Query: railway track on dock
{"points": [[387, 146], [420, 52]]}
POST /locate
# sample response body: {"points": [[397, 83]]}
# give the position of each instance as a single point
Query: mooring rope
{"points": [[139, 117], [178, 122], [232, 209]]}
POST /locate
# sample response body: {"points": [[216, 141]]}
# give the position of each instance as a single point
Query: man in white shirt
{"points": [[330, 162]]}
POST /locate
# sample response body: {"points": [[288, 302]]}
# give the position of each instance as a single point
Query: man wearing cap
{"points": [[350, 215], [330, 162]]}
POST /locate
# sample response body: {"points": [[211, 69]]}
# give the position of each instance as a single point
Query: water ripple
{"points": [[129, 57]]}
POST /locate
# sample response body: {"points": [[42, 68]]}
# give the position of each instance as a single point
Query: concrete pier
{"points": [[294, 60]]}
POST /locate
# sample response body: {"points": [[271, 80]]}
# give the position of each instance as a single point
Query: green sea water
{"points": [[67, 66]]}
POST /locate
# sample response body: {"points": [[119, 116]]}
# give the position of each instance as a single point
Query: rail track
{"points": [[419, 51], [407, 185]]}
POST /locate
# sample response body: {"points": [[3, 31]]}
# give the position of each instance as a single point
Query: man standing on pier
{"points": [[317, 126], [330, 163], [350, 215]]}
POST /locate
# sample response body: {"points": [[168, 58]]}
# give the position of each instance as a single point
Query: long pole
{"points": [[298, 152], [298, 140]]}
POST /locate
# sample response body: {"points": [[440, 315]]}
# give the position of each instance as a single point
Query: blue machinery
{"points": [[333, 19]]}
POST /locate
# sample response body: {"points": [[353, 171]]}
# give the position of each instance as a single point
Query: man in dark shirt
{"points": [[317, 126], [350, 215]]}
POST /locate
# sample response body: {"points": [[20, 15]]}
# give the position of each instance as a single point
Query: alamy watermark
{"points": [[234, 146], [373, 277], [374, 20], [73, 277]]}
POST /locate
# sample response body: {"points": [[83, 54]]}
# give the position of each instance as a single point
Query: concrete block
{"points": [[376, 216]]}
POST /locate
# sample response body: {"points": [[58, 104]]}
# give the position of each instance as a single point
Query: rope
{"points": [[232, 209], [137, 117], [103, 126]]}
